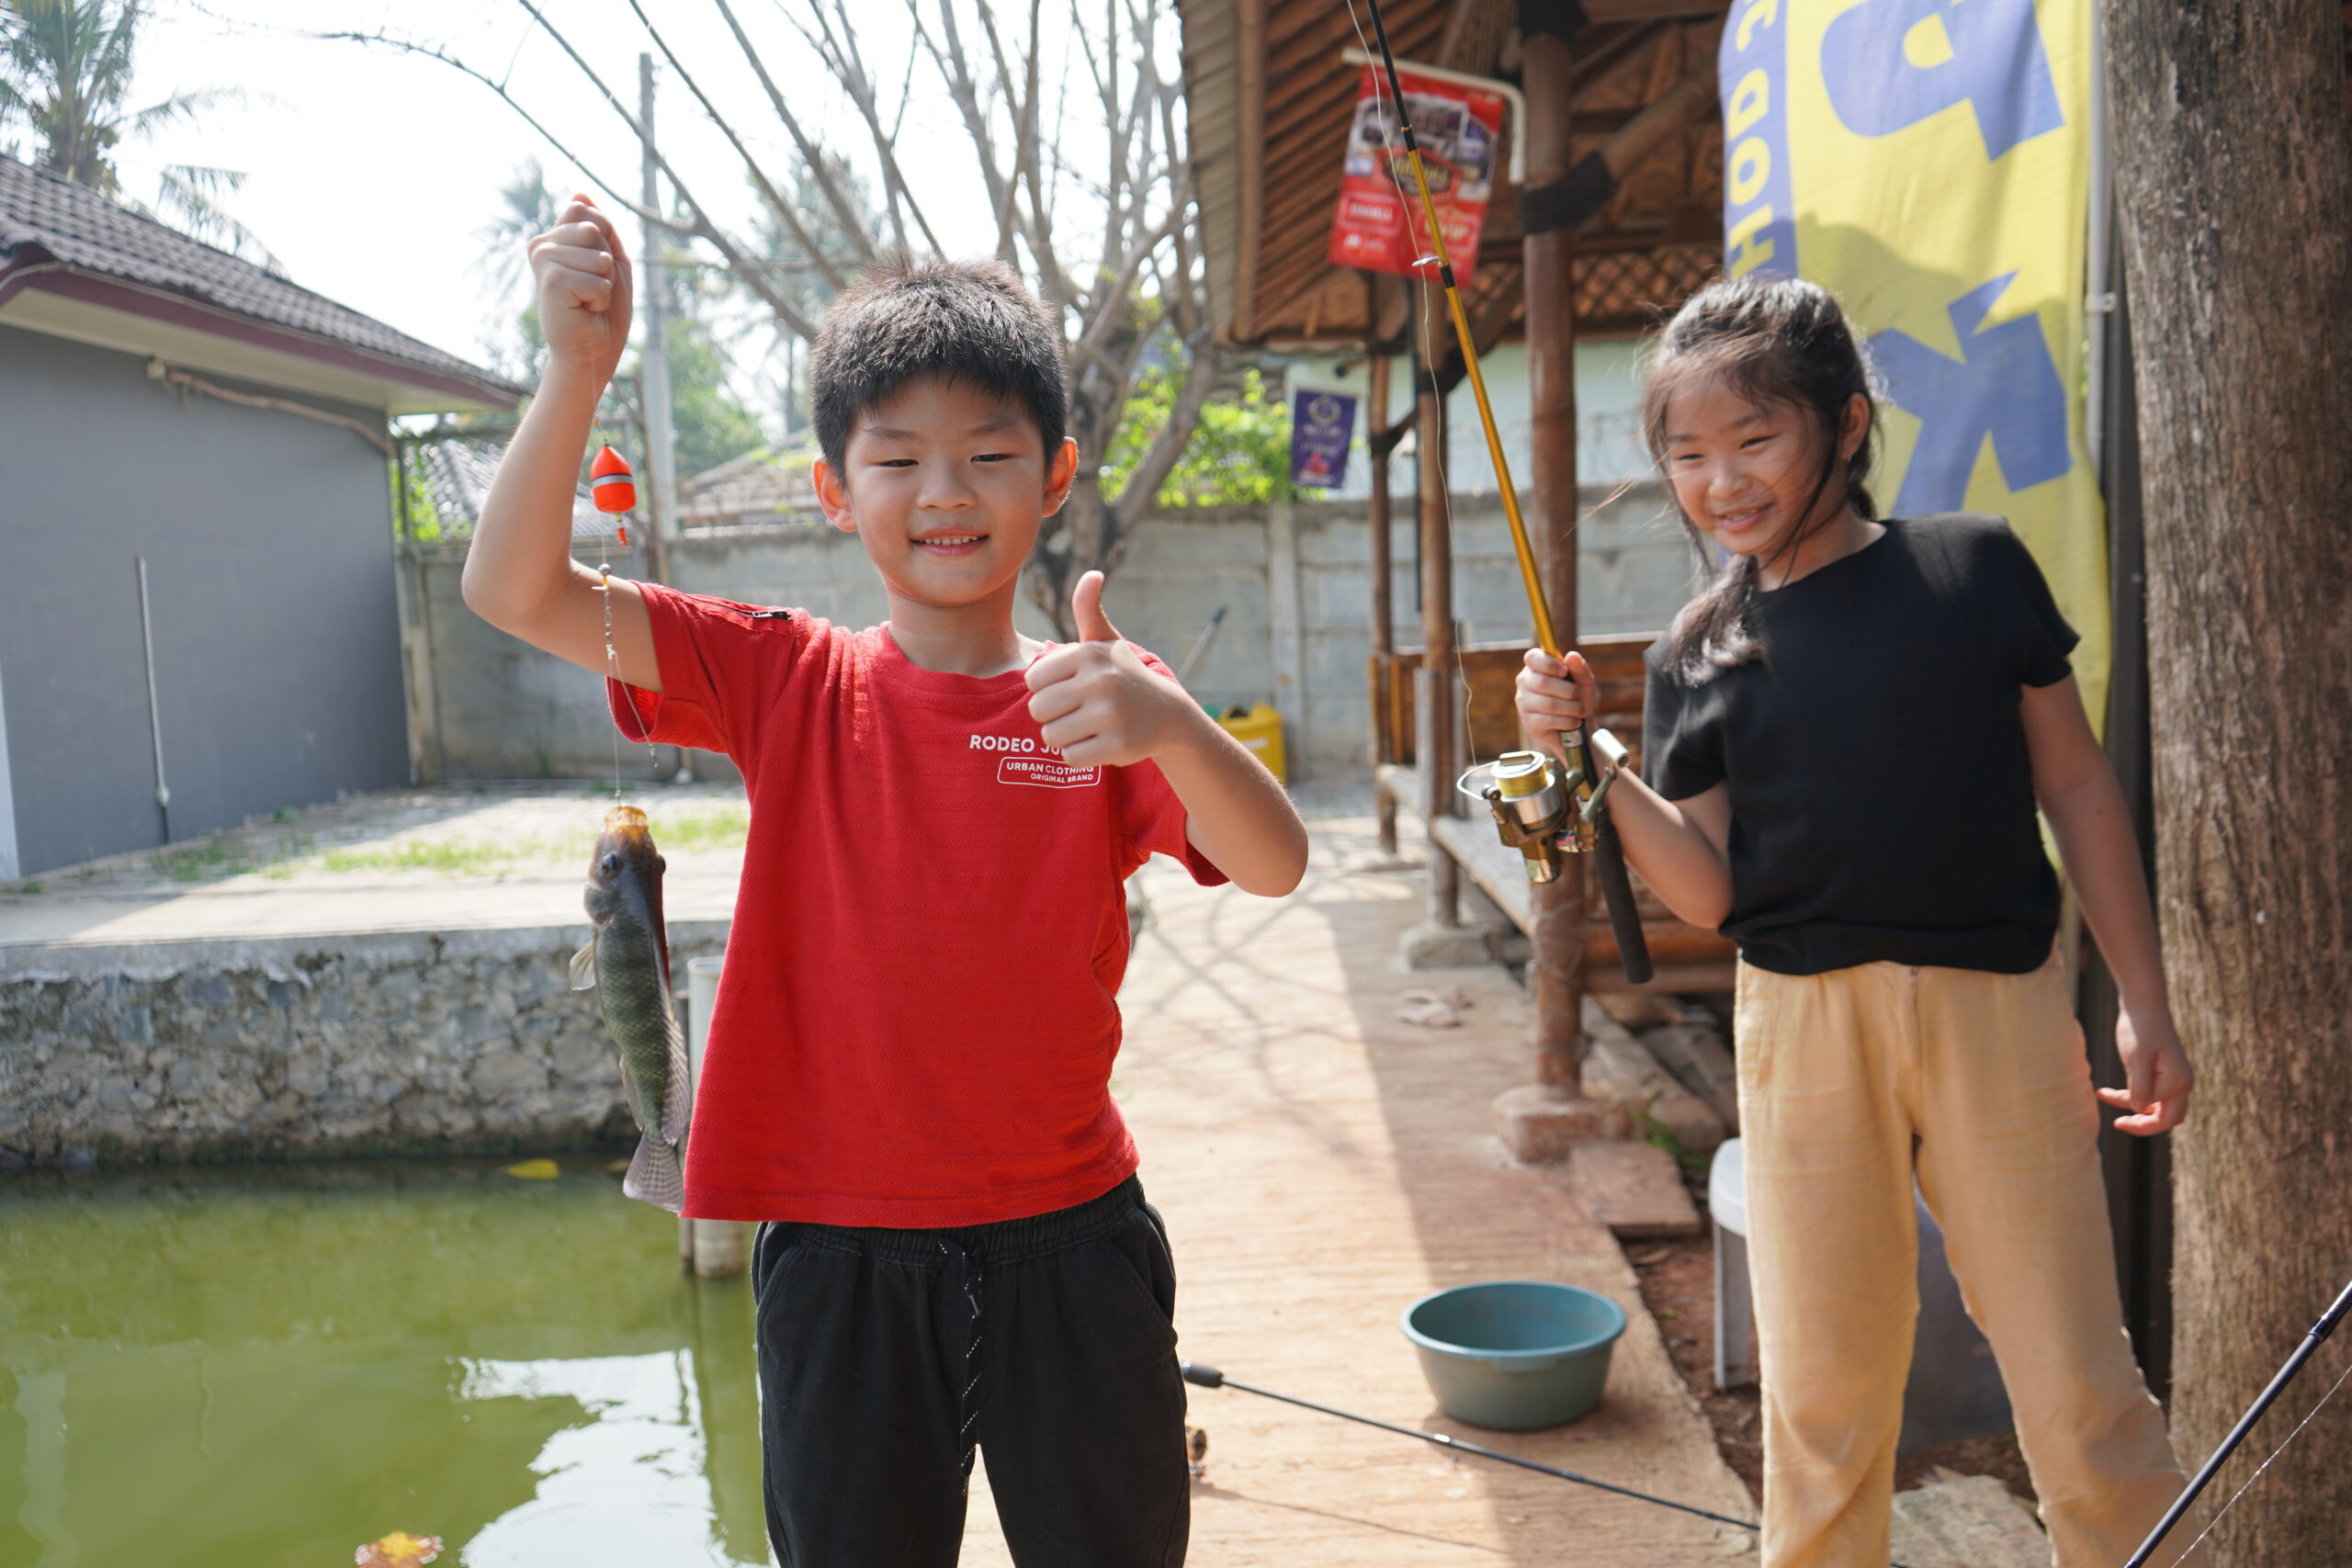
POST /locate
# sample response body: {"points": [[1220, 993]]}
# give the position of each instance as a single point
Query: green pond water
{"points": [[267, 1368]]}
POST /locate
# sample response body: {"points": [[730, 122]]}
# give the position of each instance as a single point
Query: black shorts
{"points": [[888, 1357]]}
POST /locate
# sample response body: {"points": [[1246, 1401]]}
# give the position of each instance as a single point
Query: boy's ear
{"points": [[1060, 474], [834, 496]]}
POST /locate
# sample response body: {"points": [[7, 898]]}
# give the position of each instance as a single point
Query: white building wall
{"points": [[1609, 438]]}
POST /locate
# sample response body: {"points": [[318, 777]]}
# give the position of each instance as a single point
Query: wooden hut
{"points": [[1610, 216]]}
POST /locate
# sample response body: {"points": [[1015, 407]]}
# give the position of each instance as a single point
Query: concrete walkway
{"points": [[1320, 1165], [450, 858]]}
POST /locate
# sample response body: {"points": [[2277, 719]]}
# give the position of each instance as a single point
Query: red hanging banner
{"points": [[1379, 225]]}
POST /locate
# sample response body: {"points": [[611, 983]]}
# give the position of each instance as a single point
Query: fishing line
{"points": [[2266, 1465], [612, 487], [1382, 95], [1209, 1377], [612, 662]]}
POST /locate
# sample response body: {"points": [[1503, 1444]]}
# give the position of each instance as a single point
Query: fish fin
{"points": [[678, 1093], [655, 1177], [583, 967]]}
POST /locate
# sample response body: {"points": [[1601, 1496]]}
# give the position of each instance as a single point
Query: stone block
{"points": [[1616, 1066], [1634, 1189], [1701, 1062], [1428, 946], [1539, 1125], [1972, 1521], [1639, 1010]]}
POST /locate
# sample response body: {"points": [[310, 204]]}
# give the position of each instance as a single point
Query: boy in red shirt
{"points": [[908, 1071]]}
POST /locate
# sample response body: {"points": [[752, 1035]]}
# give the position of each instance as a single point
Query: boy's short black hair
{"points": [[972, 322]]}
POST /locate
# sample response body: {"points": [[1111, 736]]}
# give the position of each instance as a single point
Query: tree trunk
{"points": [[2233, 176]]}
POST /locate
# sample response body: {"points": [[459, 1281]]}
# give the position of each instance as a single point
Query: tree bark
{"points": [[2233, 176]]}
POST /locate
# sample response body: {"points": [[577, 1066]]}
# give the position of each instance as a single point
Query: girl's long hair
{"points": [[1778, 341]]}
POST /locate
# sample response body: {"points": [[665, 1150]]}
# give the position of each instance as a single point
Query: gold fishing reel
{"points": [[1545, 810]]}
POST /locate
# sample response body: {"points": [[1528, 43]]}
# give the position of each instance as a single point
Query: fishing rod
{"points": [[1540, 810], [1209, 1377], [2304, 1352]]}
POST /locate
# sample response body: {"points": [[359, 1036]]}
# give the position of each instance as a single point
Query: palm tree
{"points": [[526, 206], [64, 69]]}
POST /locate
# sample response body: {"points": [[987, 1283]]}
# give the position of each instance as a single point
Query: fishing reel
{"points": [[1543, 809]]}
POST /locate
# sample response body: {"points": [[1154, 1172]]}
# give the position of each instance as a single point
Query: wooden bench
{"points": [[1687, 959]]}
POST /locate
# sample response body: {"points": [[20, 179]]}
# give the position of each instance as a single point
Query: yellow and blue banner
{"points": [[1928, 162]]}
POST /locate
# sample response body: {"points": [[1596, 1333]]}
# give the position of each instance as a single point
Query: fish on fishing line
{"points": [[627, 963]]}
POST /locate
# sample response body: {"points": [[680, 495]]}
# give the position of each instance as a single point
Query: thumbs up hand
{"points": [[1094, 700]]}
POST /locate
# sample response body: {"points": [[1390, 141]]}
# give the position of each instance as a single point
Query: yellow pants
{"points": [[1851, 1082]]}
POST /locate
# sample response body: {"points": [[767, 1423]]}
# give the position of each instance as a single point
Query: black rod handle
{"points": [[2286, 1374], [1617, 892]]}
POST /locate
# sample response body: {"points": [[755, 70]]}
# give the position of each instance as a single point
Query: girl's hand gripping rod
{"points": [[1541, 810]]}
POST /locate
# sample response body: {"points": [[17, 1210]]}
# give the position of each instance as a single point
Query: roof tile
{"points": [[86, 230]]}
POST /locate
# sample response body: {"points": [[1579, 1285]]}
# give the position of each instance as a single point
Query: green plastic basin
{"points": [[1514, 1355]]}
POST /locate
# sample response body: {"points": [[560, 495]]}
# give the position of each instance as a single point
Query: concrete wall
{"points": [[1296, 582], [269, 542], [383, 1043]]}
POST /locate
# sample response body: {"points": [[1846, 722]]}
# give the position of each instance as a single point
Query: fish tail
{"points": [[655, 1176]]}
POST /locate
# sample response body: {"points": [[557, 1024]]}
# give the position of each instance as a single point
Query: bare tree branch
{"points": [[964, 93], [785, 212], [1025, 146], [760, 284], [434, 51], [846, 212], [843, 57]]}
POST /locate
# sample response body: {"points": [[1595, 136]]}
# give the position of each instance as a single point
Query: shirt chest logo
{"points": [[1025, 759]]}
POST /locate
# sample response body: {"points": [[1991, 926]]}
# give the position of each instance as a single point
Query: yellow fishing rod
{"points": [[1541, 809]]}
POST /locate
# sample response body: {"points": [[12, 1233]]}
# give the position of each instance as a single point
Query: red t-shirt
{"points": [[918, 1018]]}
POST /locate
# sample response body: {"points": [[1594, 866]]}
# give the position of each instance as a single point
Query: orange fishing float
{"points": [[613, 485]]}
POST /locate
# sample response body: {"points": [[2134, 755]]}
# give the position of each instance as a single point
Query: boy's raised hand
{"points": [[585, 290], [1095, 700]]}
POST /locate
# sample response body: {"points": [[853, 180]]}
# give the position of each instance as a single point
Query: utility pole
{"points": [[653, 380]]}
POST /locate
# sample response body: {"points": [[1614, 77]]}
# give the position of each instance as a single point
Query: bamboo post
{"points": [[1383, 607], [1435, 723], [1556, 967]]}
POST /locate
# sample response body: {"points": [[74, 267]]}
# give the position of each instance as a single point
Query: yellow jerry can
{"points": [[1259, 728]]}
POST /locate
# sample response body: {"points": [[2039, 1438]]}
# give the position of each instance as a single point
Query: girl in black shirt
{"points": [[1848, 732]]}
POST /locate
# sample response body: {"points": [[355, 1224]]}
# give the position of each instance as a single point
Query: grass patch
{"points": [[215, 856], [726, 829], [450, 857], [1658, 1136]]}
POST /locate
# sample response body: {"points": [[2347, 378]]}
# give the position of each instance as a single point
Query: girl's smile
{"points": [[1753, 477]]}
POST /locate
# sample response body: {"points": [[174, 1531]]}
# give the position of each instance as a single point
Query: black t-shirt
{"points": [[1882, 798]]}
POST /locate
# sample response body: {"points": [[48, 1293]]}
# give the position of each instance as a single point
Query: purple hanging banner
{"points": [[1321, 424]]}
